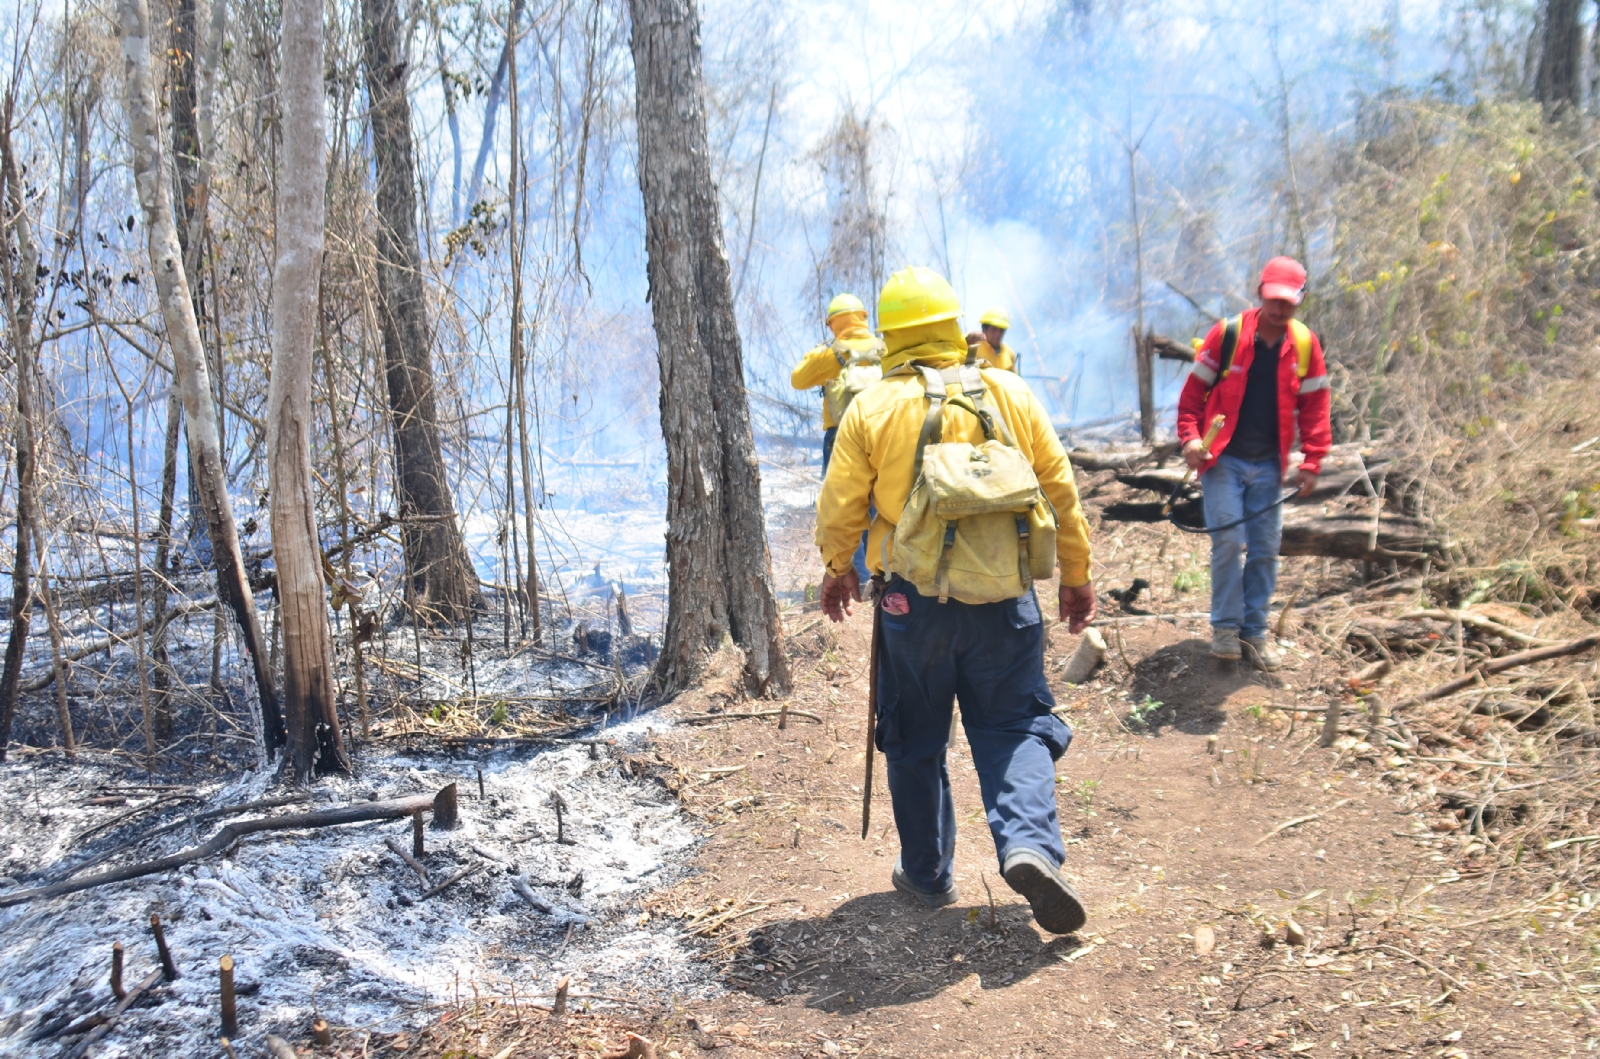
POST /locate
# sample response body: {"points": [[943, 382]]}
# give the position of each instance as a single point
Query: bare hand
{"points": [[1077, 606], [838, 593], [1194, 454], [1308, 482]]}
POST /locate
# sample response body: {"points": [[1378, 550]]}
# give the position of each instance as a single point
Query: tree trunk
{"points": [[1560, 84], [188, 356], [720, 574], [309, 696], [519, 370], [440, 581], [21, 282]]}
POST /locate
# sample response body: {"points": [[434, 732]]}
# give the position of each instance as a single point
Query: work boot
{"points": [[903, 883], [1055, 904], [1225, 643], [1264, 654]]}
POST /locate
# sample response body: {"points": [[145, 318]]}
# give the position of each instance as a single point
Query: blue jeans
{"points": [[860, 558], [991, 655], [1244, 559]]}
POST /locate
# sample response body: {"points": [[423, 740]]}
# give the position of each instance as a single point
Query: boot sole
{"points": [[1055, 906]]}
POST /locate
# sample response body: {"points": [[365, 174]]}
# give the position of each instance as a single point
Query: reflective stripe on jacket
{"points": [[1302, 403], [876, 446]]}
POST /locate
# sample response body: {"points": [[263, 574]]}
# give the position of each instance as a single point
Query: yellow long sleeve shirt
{"points": [[1005, 359], [877, 444]]}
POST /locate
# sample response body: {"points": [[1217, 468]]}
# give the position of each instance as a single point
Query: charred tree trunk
{"points": [[1560, 83], [309, 696], [191, 373], [440, 581], [720, 573], [20, 280]]}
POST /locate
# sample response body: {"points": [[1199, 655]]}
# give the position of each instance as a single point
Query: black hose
{"points": [[1173, 518]]}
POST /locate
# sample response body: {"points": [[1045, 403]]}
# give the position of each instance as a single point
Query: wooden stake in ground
{"points": [[169, 970], [560, 1005], [230, 1014], [309, 695], [188, 354], [445, 815], [720, 570], [116, 971], [417, 849]]}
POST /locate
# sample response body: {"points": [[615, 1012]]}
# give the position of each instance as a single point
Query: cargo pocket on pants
{"points": [[1023, 611]]}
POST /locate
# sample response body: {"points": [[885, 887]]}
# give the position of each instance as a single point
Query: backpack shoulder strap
{"points": [[933, 422], [1230, 344], [1302, 345]]}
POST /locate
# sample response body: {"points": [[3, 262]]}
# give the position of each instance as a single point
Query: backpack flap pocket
{"points": [[1042, 527], [965, 479]]}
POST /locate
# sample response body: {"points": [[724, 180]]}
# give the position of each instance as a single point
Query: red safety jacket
{"points": [[1303, 396]]}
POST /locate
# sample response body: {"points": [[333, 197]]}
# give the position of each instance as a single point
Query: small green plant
{"points": [[1084, 792], [500, 714], [1139, 716], [1189, 580], [437, 714]]}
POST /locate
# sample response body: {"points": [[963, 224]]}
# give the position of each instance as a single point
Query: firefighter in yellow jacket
{"points": [[991, 340], [931, 649], [842, 368]]}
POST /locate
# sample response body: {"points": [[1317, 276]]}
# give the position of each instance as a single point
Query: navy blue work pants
{"points": [[991, 657]]}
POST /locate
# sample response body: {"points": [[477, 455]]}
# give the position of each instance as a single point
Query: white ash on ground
{"points": [[329, 921]]}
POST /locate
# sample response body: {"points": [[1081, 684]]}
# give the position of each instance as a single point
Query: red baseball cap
{"points": [[1285, 278]]}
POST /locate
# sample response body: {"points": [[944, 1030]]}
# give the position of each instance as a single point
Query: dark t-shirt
{"points": [[1256, 436]]}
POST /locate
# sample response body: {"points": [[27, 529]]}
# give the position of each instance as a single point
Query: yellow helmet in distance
{"points": [[845, 303], [994, 316], [914, 296]]}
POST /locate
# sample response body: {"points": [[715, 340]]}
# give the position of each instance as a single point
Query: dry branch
{"points": [[1500, 665], [711, 718], [360, 812]]}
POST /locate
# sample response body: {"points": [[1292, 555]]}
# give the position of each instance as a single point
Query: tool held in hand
{"points": [[872, 703], [1217, 422]]}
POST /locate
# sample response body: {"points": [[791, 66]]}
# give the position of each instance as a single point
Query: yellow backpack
{"points": [[976, 525], [858, 369]]}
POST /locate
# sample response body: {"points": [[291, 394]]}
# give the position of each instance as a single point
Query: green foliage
{"points": [[1139, 716], [1190, 580], [500, 714]]}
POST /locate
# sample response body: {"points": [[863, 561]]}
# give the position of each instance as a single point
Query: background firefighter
{"points": [[1262, 370]]}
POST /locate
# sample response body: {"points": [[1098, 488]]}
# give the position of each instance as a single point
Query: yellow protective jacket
{"points": [[821, 365], [877, 443], [1006, 358]]}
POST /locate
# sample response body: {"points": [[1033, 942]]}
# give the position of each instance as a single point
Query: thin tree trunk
{"points": [[441, 584], [164, 564], [188, 356], [310, 698], [720, 573], [20, 279], [491, 107], [58, 661], [1559, 85], [519, 353]]}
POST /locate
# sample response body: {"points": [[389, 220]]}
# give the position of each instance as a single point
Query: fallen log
{"points": [[1339, 477], [1309, 532], [357, 813], [1126, 460], [1500, 665], [95, 1034]]}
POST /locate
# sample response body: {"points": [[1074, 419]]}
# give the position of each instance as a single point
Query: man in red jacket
{"points": [[1263, 372]]}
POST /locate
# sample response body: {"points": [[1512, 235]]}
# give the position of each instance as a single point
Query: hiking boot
{"points": [[1225, 643], [903, 883], [1264, 654], [1055, 904]]}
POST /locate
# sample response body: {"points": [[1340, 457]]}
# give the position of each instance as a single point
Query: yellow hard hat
{"points": [[845, 303], [914, 296], [994, 316]]}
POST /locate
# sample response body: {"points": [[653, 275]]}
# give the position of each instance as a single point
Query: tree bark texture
{"points": [[1560, 82], [309, 695], [441, 583], [190, 371], [21, 280], [720, 573]]}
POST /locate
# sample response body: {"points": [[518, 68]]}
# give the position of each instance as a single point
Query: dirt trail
{"points": [[1409, 945]]}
